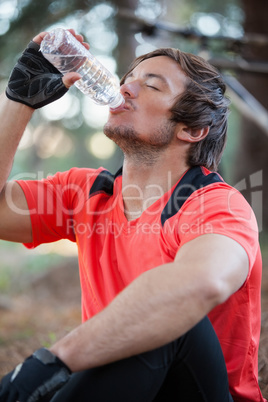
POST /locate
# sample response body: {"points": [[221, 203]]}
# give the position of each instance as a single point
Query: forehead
{"points": [[164, 67]]}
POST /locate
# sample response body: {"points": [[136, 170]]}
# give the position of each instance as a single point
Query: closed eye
{"points": [[150, 86]]}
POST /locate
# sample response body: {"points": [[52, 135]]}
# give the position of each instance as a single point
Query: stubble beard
{"points": [[136, 148]]}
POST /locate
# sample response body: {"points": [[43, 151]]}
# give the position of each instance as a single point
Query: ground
{"points": [[49, 306]]}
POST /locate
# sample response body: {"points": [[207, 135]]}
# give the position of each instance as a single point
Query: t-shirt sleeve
{"points": [[221, 210], [53, 201]]}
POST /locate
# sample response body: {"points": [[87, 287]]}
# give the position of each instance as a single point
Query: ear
{"points": [[188, 134]]}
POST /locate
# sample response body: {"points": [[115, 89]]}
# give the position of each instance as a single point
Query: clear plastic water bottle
{"points": [[67, 54]]}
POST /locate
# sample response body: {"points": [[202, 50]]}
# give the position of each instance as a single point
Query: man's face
{"points": [[149, 91]]}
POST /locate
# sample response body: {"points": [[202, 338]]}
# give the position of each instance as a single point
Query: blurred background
{"points": [[231, 34]]}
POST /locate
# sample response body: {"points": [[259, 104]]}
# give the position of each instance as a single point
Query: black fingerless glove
{"points": [[37, 379], [34, 81]]}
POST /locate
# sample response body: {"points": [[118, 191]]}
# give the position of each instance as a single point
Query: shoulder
{"points": [[195, 181], [203, 203], [215, 200], [75, 175]]}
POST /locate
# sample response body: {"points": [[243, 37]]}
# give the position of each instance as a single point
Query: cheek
{"points": [[158, 106], [156, 115]]}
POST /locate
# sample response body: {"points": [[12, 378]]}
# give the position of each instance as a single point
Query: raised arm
{"points": [[14, 117], [33, 83]]}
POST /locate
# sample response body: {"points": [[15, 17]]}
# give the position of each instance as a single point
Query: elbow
{"points": [[219, 289], [216, 292]]}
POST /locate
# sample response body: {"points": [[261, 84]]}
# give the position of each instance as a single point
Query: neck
{"points": [[143, 184]]}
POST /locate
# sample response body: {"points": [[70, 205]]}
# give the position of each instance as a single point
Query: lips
{"points": [[121, 108]]}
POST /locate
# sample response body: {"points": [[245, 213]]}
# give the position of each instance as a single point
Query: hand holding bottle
{"points": [[69, 78], [67, 54], [34, 81]]}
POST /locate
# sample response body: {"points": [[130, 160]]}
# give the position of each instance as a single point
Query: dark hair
{"points": [[201, 105]]}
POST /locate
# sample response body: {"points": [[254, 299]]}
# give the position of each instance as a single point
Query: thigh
{"points": [[198, 373], [191, 368], [136, 379]]}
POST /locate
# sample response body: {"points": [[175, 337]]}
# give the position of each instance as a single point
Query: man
{"points": [[162, 244]]}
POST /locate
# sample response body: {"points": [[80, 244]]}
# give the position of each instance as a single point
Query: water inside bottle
{"points": [[67, 63], [96, 81]]}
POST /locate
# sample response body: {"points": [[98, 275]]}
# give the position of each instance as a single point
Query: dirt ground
{"points": [[50, 307]]}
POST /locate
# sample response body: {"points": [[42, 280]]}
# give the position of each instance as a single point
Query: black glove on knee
{"points": [[37, 379], [34, 81]]}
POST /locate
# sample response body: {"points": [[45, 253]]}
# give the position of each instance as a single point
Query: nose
{"points": [[130, 89]]}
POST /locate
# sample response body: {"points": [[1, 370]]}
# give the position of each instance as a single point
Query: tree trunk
{"points": [[252, 156], [124, 54], [125, 51]]}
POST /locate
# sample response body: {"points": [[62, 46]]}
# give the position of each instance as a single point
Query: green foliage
{"points": [[19, 266], [5, 279], [52, 337]]}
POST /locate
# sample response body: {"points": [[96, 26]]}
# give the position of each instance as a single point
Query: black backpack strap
{"points": [[104, 183], [193, 180]]}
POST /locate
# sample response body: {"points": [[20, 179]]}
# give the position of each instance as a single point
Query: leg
{"points": [[190, 369], [198, 373], [128, 380]]}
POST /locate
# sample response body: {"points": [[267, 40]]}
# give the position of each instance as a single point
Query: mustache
{"points": [[129, 104]]}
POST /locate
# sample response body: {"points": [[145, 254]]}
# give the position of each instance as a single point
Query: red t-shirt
{"points": [[113, 251]]}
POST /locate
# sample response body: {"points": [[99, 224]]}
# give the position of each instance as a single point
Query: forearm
{"points": [[14, 117], [160, 305], [155, 309]]}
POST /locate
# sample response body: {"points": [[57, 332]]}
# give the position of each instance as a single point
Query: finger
{"points": [[86, 45], [80, 38], [38, 38], [70, 78]]}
